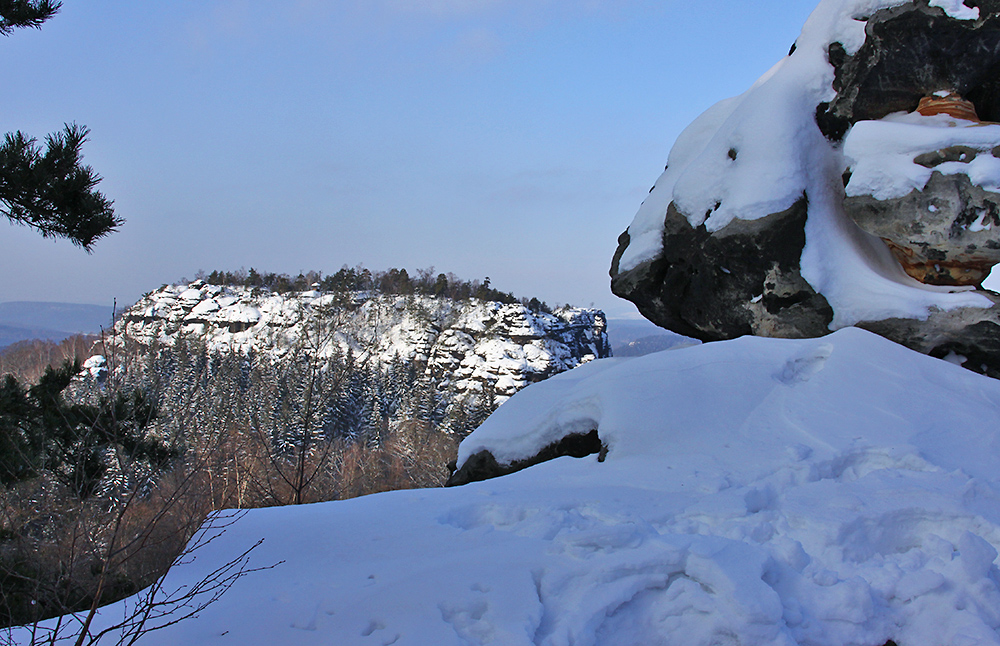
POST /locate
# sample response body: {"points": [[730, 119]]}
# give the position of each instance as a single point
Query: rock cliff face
{"points": [[856, 183], [467, 347]]}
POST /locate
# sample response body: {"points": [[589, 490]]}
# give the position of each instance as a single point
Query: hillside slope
{"points": [[24, 320]]}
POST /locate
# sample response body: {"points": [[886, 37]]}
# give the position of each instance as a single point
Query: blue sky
{"points": [[513, 139]]}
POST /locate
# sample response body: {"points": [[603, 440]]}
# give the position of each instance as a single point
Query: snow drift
{"points": [[831, 491]]}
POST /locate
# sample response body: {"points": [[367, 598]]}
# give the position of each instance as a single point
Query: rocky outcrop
{"points": [[855, 184], [969, 337], [691, 288], [946, 234], [911, 51], [467, 347], [924, 183], [483, 465]]}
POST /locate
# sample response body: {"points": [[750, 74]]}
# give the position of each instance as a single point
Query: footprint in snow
{"points": [[803, 367]]}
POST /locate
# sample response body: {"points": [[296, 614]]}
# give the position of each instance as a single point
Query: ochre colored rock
{"points": [[946, 234], [952, 105]]}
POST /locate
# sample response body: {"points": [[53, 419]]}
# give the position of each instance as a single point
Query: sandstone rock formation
{"points": [[466, 347], [856, 183], [942, 234]]}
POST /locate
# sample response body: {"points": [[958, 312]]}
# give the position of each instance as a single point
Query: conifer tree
{"points": [[485, 404], [51, 191], [348, 409], [70, 440], [25, 13], [21, 445]]}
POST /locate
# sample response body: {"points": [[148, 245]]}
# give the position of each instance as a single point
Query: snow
{"points": [[204, 307], [190, 295], [96, 366], [881, 153], [957, 9], [471, 342], [832, 491], [981, 224], [758, 153], [239, 313]]}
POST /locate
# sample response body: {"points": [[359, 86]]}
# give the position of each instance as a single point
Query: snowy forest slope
{"points": [[469, 346]]}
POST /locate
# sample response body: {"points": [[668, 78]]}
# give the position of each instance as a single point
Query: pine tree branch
{"points": [[54, 192], [25, 13]]}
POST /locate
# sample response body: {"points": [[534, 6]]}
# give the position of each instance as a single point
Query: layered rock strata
{"points": [[925, 183]]}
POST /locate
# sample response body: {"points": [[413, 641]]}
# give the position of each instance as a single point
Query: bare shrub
{"points": [[27, 360], [157, 606]]}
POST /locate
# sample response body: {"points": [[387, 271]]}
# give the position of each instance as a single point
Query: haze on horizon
{"points": [[513, 139]]}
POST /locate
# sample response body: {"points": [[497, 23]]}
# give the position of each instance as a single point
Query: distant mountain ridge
{"points": [[24, 320], [11, 334], [636, 337]]}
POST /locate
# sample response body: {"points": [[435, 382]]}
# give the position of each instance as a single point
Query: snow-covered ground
{"points": [[833, 491]]}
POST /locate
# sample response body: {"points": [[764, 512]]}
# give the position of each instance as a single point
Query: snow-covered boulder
{"points": [[818, 492], [747, 231], [96, 368]]}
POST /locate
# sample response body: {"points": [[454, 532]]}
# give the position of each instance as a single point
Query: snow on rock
{"points": [[95, 367], [886, 155], [957, 9], [746, 231], [470, 346], [832, 491], [929, 186]]}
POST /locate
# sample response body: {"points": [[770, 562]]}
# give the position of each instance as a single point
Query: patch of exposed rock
{"points": [[483, 465], [743, 279], [910, 52], [944, 234]]}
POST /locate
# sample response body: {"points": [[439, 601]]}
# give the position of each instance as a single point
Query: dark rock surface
{"points": [[483, 466], [969, 336], [911, 51], [708, 285]]}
